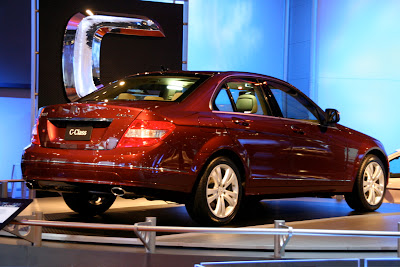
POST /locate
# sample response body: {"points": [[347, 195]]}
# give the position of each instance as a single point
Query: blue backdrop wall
{"points": [[15, 134], [237, 35], [358, 65], [15, 79]]}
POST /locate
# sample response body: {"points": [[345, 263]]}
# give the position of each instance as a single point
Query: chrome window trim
{"points": [[80, 119], [302, 121], [247, 114], [268, 116]]}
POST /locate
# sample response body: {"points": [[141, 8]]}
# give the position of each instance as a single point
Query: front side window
{"points": [[241, 95], [148, 87], [293, 105]]}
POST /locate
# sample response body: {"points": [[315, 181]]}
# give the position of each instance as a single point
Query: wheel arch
{"points": [[382, 156], [224, 152], [357, 199]]}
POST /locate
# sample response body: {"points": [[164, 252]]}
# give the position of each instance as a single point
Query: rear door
{"points": [[241, 106]]}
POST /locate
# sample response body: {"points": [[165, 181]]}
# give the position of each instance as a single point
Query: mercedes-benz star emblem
{"points": [[75, 110]]}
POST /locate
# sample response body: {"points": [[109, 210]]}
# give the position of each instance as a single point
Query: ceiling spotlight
{"points": [[89, 12]]}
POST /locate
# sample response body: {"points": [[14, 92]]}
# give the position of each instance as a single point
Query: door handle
{"points": [[296, 129], [241, 122]]}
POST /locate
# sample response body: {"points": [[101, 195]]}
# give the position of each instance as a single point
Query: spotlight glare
{"points": [[89, 12]]}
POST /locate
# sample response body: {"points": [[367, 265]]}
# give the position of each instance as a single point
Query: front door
{"points": [[318, 154]]}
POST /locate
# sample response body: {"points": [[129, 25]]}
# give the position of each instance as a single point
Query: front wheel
{"points": [[369, 186], [88, 204], [218, 196]]}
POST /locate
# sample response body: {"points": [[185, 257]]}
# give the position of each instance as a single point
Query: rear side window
{"points": [[241, 95], [223, 101]]}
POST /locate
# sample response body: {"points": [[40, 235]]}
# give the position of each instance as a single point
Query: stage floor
{"points": [[300, 213]]}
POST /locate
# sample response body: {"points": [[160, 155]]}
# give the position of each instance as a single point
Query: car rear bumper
{"points": [[44, 167]]}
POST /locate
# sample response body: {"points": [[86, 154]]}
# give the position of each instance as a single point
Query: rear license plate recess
{"points": [[78, 133]]}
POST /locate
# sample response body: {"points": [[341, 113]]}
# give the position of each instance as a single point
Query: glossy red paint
{"points": [[275, 155]]}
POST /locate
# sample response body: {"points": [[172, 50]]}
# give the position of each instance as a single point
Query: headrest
{"points": [[126, 96], [176, 95], [150, 97], [247, 103]]}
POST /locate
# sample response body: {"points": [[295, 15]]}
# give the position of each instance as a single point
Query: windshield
{"points": [[149, 87]]}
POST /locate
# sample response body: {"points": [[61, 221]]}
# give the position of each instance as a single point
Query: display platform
{"points": [[300, 213], [66, 247]]}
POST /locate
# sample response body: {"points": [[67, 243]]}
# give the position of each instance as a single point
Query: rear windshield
{"points": [[148, 88]]}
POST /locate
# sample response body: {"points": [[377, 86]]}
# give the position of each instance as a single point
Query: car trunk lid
{"points": [[85, 125]]}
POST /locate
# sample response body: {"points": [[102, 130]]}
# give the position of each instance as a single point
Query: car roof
{"points": [[210, 73]]}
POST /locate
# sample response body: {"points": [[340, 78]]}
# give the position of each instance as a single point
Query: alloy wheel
{"points": [[222, 191], [373, 183]]}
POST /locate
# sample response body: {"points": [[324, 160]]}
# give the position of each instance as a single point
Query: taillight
{"points": [[145, 133], [35, 132]]}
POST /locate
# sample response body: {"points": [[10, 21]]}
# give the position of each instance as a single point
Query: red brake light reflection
{"points": [[35, 131], [145, 133]]}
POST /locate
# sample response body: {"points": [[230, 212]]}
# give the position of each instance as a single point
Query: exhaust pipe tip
{"points": [[29, 185], [118, 191]]}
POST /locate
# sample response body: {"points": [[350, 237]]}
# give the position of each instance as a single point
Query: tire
{"points": [[369, 187], [217, 198], [88, 204]]}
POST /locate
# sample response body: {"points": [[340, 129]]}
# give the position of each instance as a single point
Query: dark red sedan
{"points": [[210, 140]]}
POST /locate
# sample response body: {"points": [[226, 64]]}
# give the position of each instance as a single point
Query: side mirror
{"points": [[332, 115]]}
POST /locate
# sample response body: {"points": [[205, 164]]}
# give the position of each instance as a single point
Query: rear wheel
{"points": [[88, 204], [369, 186], [218, 196]]}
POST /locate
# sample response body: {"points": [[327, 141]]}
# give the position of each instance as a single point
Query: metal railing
{"points": [[146, 231], [4, 188]]}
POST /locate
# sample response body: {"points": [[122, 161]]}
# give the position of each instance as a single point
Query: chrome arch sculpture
{"points": [[82, 42]]}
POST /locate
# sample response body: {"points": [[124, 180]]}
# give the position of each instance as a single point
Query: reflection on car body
{"points": [[210, 140]]}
